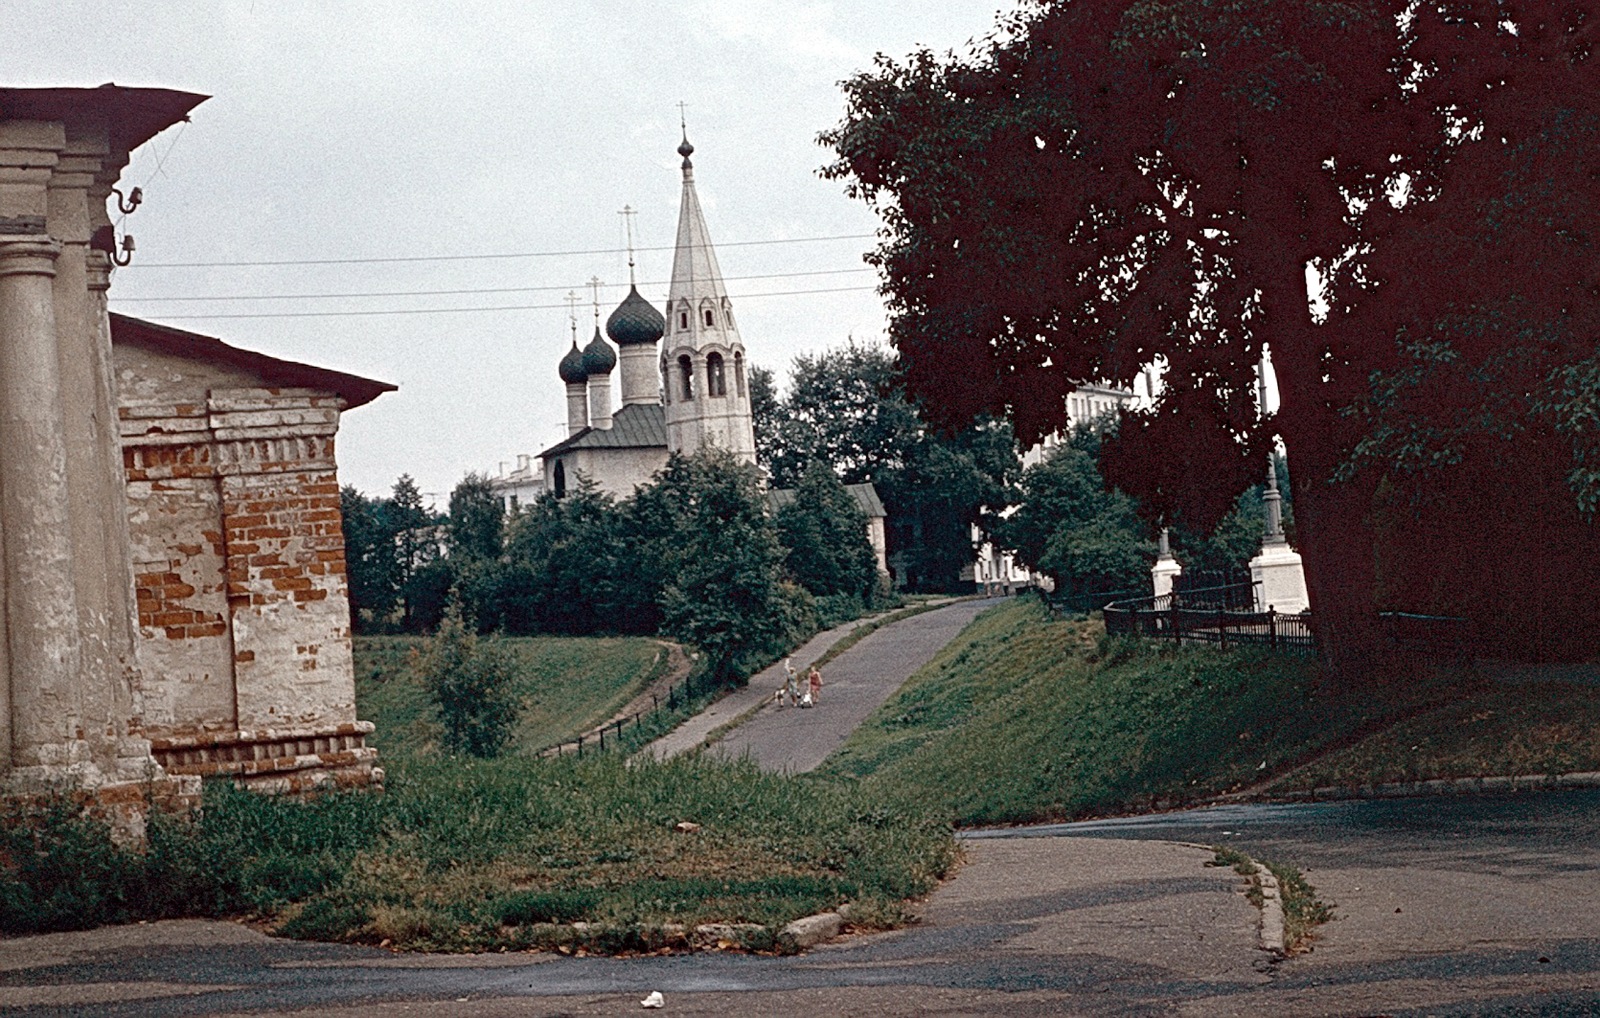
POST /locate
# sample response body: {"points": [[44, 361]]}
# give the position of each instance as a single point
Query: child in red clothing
{"points": [[814, 680]]}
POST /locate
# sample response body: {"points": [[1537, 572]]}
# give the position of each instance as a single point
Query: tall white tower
{"points": [[704, 385]]}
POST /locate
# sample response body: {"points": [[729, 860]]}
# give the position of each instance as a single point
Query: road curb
{"points": [[1272, 934], [1435, 786]]}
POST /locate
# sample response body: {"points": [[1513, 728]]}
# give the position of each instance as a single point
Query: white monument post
{"points": [[1167, 569], [1279, 581]]}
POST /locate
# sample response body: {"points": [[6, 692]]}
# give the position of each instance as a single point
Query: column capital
{"points": [[98, 264], [28, 255]]}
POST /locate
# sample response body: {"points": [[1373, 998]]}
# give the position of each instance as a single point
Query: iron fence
{"points": [[1222, 615], [609, 735]]}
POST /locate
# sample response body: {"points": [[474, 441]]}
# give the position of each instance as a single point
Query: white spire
{"points": [[703, 363], [695, 273]]}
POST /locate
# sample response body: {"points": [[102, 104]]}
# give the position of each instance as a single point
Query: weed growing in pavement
{"points": [[1303, 911]]}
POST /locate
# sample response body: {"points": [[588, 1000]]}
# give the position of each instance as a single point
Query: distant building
{"points": [[866, 497], [521, 486]]}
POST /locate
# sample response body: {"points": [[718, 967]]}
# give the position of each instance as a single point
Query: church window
{"points": [[716, 381], [683, 321], [561, 480], [710, 318], [686, 370], [738, 372]]}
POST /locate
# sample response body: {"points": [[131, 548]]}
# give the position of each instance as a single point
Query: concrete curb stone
{"points": [[1272, 933], [1439, 786], [809, 931]]}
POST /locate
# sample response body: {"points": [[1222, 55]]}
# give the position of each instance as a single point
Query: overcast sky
{"points": [[382, 130]]}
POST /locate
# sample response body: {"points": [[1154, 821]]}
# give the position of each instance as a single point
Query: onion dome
{"points": [[635, 322], [571, 368], [598, 357]]}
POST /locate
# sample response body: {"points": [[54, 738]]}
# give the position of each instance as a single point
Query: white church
{"points": [[692, 395]]}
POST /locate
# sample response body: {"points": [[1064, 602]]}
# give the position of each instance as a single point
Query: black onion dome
{"points": [[686, 150], [635, 322], [598, 357], [571, 368]]}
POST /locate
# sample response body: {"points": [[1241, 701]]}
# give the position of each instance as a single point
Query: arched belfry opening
{"points": [[716, 376]]}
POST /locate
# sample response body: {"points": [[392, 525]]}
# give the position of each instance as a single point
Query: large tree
{"points": [[824, 537], [848, 408], [1106, 185]]}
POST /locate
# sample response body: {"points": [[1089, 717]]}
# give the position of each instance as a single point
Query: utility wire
{"points": [[507, 307], [479, 257], [445, 293]]}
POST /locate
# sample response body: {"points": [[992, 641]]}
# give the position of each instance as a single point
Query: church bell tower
{"points": [[704, 383]]}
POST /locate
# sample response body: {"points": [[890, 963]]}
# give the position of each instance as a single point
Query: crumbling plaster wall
{"points": [[239, 573]]}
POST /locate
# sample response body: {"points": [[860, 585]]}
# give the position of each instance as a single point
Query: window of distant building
{"points": [[561, 480], [716, 381], [711, 318], [738, 372], [683, 321], [686, 371]]}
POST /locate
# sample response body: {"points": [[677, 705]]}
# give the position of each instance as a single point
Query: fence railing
{"points": [[1440, 637], [1083, 604], [1222, 615], [676, 696]]}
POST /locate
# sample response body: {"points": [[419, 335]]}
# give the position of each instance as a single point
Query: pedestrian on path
{"points": [[791, 685], [814, 680]]}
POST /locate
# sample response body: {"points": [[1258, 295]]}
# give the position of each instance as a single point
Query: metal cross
{"points": [[627, 215]]}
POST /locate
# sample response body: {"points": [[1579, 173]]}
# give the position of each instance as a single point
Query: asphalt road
{"points": [[1484, 904], [796, 739], [1467, 906]]}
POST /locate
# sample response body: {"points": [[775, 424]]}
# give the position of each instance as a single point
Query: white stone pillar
{"points": [[1164, 574], [1276, 574], [97, 487], [35, 503]]}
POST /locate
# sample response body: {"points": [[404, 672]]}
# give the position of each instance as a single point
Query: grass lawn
{"points": [[567, 686], [1026, 718]]}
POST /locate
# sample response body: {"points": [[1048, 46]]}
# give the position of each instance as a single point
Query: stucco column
{"points": [[122, 625], [41, 603]]}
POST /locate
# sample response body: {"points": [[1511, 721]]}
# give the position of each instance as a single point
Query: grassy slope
{"points": [[568, 686], [1533, 728], [1026, 718]]}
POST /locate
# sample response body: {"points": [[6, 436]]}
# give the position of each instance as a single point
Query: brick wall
{"points": [[242, 604]]}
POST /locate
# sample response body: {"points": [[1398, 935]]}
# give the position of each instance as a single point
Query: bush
{"points": [[62, 871], [472, 681]]}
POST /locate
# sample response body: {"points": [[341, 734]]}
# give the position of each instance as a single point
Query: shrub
{"points": [[472, 681]]}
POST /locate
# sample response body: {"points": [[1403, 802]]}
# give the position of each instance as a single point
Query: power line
{"points": [[506, 307], [478, 257], [445, 293]]}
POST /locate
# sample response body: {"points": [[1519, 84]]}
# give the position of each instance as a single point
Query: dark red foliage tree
{"points": [[1105, 185]]}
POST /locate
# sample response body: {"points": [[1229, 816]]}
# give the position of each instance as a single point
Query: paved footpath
{"points": [[854, 684], [923, 640]]}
